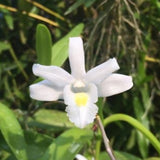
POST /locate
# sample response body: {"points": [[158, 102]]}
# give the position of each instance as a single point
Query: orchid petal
{"points": [[93, 93], [114, 84], [58, 76], [82, 116], [76, 57], [80, 157], [99, 73], [44, 91]]}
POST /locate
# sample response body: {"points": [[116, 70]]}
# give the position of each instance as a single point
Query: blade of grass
{"points": [[12, 133], [18, 62]]}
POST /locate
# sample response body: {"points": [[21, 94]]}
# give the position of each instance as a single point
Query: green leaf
{"points": [[11, 158], [119, 156], [88, 3], [60, 49], [12, 132], [68, 144], [153, 158], [77, 4], [4, 46], [141, 72], [143, 144], [142, 141], [74, 6], [43, 45], [8, 18], [7, 156], [3, 144], [53, 120], [37, 144]]}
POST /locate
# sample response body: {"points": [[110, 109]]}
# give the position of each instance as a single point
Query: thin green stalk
{"points": [[18, 63], [100, 105], [122, 117], [98, 145], [99, 140]]}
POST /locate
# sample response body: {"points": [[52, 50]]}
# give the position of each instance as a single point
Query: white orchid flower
{"points": [[80, 157], [80, 89]]}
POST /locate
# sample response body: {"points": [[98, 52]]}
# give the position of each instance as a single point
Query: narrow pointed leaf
{"points": [[9, 19], [43, 45], [12, 132], [36, 144], [68, 144], [4, 46], [74, 6], [60, 49]]}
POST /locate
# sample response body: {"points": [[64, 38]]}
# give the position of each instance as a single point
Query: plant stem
{"points": [[122, 117], [105, 139], [18, 62], [98, 146]]}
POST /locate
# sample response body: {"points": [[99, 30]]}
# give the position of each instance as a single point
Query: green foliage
{"points": [[53, 120], [119, 155], [12, 132], [141, 140], [87, 3], [68, 144], [60, 49], [128, 30], [43, 45], [9, 19], [36, 143], [4, 46], [137, 125], [58, 53]]}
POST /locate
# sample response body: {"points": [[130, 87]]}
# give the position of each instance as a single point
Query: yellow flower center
{"points": [[81, 99]]}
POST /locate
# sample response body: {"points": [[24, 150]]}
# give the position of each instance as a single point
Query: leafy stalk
{"points": [[122, 117]]}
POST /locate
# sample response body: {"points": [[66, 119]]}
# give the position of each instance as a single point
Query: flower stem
{"points": [[105, 139], [98, 146]]}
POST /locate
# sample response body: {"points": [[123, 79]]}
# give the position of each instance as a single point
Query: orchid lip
{"points": [[81, 99]]}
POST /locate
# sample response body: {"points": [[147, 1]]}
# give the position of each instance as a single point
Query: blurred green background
{"points": [[126, 29]]}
